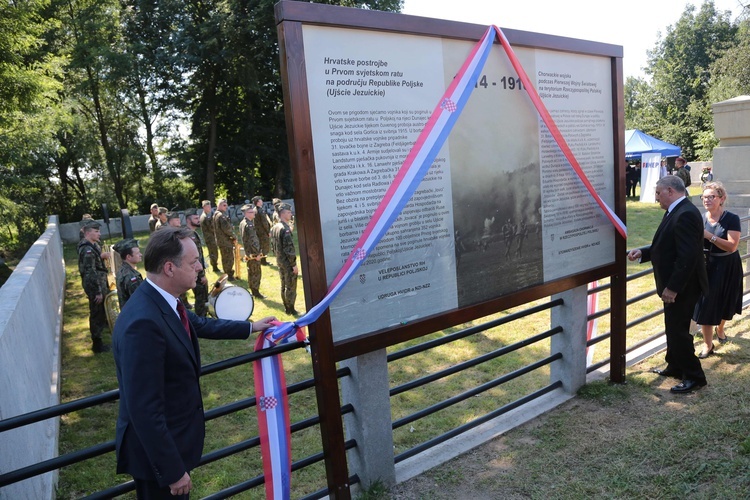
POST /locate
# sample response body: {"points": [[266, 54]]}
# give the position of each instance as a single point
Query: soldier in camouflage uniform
{"points": [[173, 220], [94, 280], [225, 238], [201, 283], [253, 252], [262, 227], [128, 277], [286, 257], [209, 235], [154, 217], [162, 222], [275, 216]]}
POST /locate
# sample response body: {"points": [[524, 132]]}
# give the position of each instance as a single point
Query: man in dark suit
{"points": [[680, 274], [160, 427]]}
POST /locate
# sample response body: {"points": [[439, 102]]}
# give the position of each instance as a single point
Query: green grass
{"points": [[618, 441], [85, 374]]}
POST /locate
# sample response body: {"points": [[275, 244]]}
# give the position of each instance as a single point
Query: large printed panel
{"points": [[500, 209]]}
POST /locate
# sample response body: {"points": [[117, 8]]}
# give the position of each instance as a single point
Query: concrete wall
{"points": [[30, 329], [69, 233], [732, 128]]}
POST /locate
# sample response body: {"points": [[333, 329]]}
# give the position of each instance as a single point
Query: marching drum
{"points": [[228, 301]]}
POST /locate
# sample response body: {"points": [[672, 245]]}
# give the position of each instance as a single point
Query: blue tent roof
{"points": [[637, 142]]}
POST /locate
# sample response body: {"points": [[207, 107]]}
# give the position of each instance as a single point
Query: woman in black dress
{"points": [[721, 237]]}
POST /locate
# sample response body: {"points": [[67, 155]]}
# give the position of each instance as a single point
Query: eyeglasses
{"points": [[709, 197]]}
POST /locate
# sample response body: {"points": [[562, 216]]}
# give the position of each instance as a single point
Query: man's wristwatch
{"points": [[713, 239]]}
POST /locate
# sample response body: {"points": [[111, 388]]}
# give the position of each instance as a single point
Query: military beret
{"points": [[173, 215], [245, 208], [154, 205], [256, 199], [125, 245], [191, 211], [284, 206], [205, 203], [163, 210]]}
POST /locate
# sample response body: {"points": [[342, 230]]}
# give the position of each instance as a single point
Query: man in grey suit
{"points": [[680, 274], [160, 426]]}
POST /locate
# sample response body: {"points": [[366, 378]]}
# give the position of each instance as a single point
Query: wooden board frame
{"points": [[290, 18]]}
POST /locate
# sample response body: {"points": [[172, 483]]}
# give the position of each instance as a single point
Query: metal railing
{"points": [[109, 447], [111, 396]]}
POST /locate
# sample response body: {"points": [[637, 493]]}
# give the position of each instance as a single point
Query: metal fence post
{"points": [[367, 389], [571, 316]]}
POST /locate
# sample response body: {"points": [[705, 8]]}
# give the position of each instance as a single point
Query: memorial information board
{"points": [[499, 210]]}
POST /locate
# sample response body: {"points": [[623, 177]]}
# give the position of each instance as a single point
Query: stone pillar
{"points": [[731, 163], [571, 369], [367, 389]]}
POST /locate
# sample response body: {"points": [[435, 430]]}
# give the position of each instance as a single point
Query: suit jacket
{"points": [[677, 252], [160, 426]]}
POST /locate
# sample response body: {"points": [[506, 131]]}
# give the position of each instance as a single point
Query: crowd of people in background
{"points": [[260, 231], [633, 174]]}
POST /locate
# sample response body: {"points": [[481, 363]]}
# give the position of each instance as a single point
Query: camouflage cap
{"points": [[163, 210], [284, 206], [87, 217], [245, 208], [205, 203], [154, 205], [191, 211], [90, 224], [125, 245], [276, 201], [256, 199], [173, 215]]}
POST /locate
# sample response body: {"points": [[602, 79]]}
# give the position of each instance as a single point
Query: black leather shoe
{"points": [[688, 385], [667, 373], [231, 278]]}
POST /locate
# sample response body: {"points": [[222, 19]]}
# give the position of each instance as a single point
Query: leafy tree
{"points": [[730, 74], [680, 68], [149, 68], [639, 113], [27, 70], [238, 135]]}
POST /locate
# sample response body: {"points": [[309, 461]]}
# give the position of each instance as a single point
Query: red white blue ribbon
{"points": [[272, 408], [552, 127], [406, 181]]}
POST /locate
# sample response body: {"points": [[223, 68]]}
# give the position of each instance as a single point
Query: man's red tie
{"points": [[183, 316]]}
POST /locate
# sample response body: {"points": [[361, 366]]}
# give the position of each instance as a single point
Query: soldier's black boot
{"points": [[264, 262], [99, 347], [258, 295]]}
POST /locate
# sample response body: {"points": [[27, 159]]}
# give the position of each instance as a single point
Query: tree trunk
{"points": [[148, 125]]}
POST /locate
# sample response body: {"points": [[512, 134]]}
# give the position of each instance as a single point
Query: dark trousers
{"points": [[97, 318], [201, 299], [288, 286], [150, 490], [227, 260], [680, 349]]}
